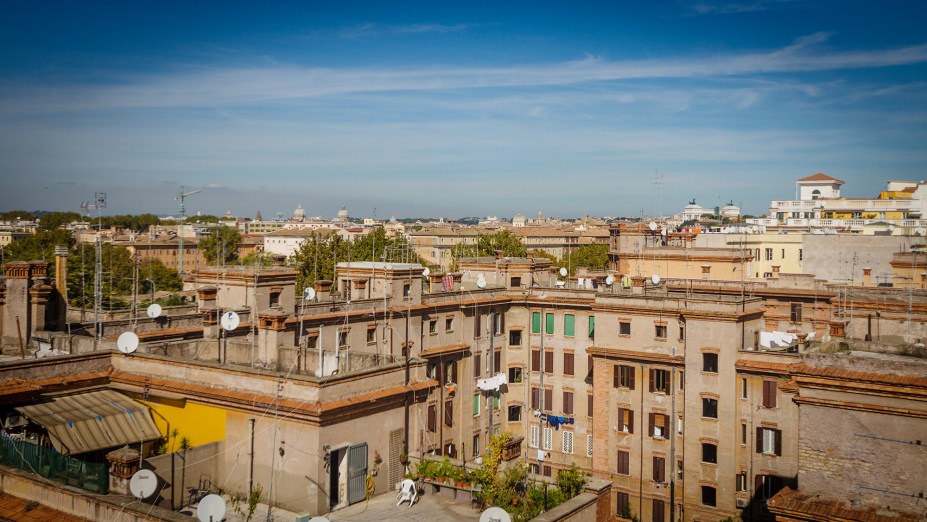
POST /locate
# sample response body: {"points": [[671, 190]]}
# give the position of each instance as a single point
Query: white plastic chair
{"points": [[407, 492]]}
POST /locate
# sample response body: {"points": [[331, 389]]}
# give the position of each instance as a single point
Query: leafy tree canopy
{"points": [[56, 220], [222, 242], [13, 215]]}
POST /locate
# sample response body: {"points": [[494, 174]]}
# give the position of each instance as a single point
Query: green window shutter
{"points": [[569, 323], [496, 401], [550, 323], [476, 405], [536, 322], [591, 326]]}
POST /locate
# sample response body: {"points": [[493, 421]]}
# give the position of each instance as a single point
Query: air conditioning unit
{"points": [[742, 503]]}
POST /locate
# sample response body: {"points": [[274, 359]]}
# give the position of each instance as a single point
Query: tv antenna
{"points": [[181, 196]]}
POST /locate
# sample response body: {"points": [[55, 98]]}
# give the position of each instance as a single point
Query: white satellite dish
{"points": [[143, 484], [655, 278], [230, 321], [127, 342], [308, 294], [426, 272], [211, 508], [653, 226], [663, 232], [563, 272], [154, 310], [610, 280], [494, 514], [481, 281]]}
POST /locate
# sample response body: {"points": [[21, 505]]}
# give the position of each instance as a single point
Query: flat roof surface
{"points": [[428, 507]]}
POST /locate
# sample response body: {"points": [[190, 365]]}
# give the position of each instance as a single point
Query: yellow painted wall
{"points": [[201, 424]]}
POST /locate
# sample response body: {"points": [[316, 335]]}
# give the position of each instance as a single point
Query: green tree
{"points": [[39, 247], [222, 242], [153, 271], [593, 257], [487, 245], [55, 220], [135, 223], [118, 272], [13, 215], [255, 259]]}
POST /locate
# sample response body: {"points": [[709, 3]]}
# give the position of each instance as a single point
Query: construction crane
{"points": [[181, 196]]}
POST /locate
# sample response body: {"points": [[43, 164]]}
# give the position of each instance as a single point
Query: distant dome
{"points": [[299, 214], [343, 213]]}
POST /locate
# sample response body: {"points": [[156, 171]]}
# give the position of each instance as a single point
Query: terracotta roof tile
{"points": [[820, 176], [793, 505], [15, 508]]}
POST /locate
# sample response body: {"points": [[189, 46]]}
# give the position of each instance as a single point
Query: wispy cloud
{"points": [[707, 7], [372, 30], [229, 87]]}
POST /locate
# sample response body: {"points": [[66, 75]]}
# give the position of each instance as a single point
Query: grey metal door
{"points": [[357, 473]]}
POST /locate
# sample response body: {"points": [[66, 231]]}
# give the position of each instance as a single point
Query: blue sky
{"points": [[456, 109]]}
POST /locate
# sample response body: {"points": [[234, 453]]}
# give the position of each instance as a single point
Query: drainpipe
{"points": [[251, 457]]}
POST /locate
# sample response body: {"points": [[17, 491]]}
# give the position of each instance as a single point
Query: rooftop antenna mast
{"points": [[181, 196], [657, 182], [99, 205]]}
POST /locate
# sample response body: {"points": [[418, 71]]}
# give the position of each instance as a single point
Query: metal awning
{"points": [[92, 421]]}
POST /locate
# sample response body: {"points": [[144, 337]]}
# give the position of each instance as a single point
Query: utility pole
{"points": [[492, 355], [181, 196]]}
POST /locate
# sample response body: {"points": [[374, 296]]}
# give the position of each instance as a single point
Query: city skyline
{"points": [[457, 111]]}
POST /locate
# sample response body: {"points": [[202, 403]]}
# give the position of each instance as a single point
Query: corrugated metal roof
{"points": [[92, 421]]}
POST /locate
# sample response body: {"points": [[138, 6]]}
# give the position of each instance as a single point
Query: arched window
{"points": [[815, 194]]}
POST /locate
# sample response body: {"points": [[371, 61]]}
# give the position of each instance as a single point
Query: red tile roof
{"points": [[820, 176], [15, 508]]}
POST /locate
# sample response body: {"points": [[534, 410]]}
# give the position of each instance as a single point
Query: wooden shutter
{"points": [[658, 513], [535, 397], [589, 406], [769, 394], [432, 417], [624, 462], [568, 364], [778, 442], [630, 421], [548, 361], [476, 325], [759, 440], [568, 403], [477, 365], [497, 361], [501, 323], [535, 360], [548, 399], [448, 413], [659, 469], [651, 417], [652, 380], [631, 380], [616, 380]]}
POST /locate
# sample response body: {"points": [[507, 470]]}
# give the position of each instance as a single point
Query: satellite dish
{"points": [[481, 281], [563, 272], [211, 508], [655, 278], [154, 310], [426, 272], [495, 513], [127, 342], [653, 226], [610, 280], [230, 321], [663, 232], [143, 484], [308, 294]]}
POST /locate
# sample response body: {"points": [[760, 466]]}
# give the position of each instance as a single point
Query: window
{"points": [[743, 433], [569, 325], [769, 254], [514, 375], [709, 496], [568, 403], [433, 326], [274, 298], [709, 408], [589, 405], [567, 442], [679, 469], [769, 441], [588, 445], [659, 469], [592, 327], [432, 417], [624, 505], [477, 364], [535, 399], [624, 377], [534, 436], [548, 361], [514, 413], [799, 254], [476, 405], [476, 445], [535, 360], [548, 438], [624, 462], [682, 331], [660, 331], [659, 381], [536, 322], [659, 511], [371, 334], [624, 328], [343, 339], [568, 364], [709, 453], [498, 323], [743, 388], [549, 324], [783, 254], [313, 341], [496, 361], [514, 337], [548, 399], [659, 425], [449, 324], [547, 471], [769, 394], [795, 315], [516, 282], [679, 425], [477, 326], [710, 362], [406, 290], [625, 420], [767, 486], [742, 481], [449, 413]]}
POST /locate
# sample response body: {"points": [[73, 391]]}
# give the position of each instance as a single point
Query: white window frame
{"points": [[769, 441]]}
